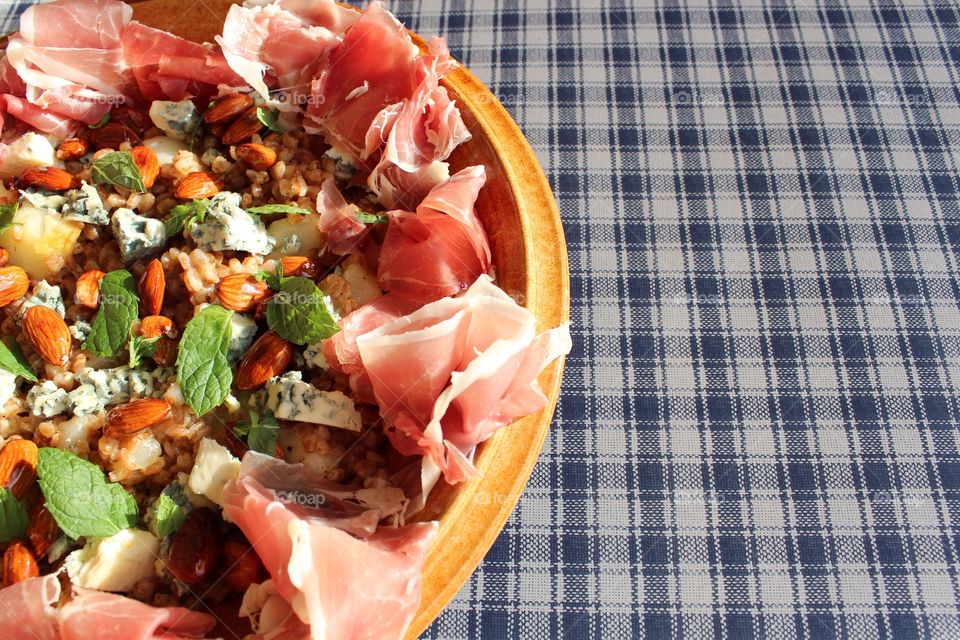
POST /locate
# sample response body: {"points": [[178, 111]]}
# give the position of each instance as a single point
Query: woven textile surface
{"points": [[758, 433]]}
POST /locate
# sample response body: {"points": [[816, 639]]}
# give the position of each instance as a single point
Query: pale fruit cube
{"points": [[305, 230], [38, 238]]}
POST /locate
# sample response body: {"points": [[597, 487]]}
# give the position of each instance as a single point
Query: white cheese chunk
{"points": [[47, 399], [136, 235], [116, 563], [85, 205], [176, 119], [313, 356], [227, 227], [42, 199], [44, 294], [213, 468], [292, 399], [165, 148], [29, 150], [8, 386]]}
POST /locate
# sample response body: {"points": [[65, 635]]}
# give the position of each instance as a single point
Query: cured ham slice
{"points": [[341, 585], [82, 24], [27, 612], [442, 248], [342, 229], [448, 375], [39, 119]]}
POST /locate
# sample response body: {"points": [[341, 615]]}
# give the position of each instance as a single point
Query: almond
{"points": [[148, 163], [42, 530], [256, 156], [198, 184], [72, 149], [48, 334], [299, 266], [228, 108], [135, 416], [112, 135], [242, 291], [18, 564], [134, 120], [14, 284], [4, 257], [267, 357], [152, 286], [88, 289], [243, 566], [50, 178], [156, 326], [18, 466], [165, 354], [195, 548], [242, 128]]}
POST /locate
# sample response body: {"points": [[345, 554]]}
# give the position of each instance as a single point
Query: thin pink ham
{"points": [[341, 585], [27, 613], [447, 376], [343, 231], [87, 24], [39, 119], [341, 349], [442, 248]]}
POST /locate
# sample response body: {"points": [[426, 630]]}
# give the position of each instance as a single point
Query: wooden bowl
{"points": [[521, 217]]}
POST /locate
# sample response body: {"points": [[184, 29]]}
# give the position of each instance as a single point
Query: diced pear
{"points": [[165, 148], [306, 228], [37, 235]]}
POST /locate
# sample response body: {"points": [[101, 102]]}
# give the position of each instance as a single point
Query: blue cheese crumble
{"points": [[100, 388], [85, 205], [42, 199], [80, 329], [313, 357], [47, 399], [290, 398], [136, 235], [44, 294], [176, 119], [227, 227]]}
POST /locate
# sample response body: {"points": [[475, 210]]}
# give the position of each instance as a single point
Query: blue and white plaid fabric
{"points": [[758, 435]]}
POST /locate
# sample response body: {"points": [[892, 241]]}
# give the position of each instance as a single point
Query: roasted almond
{"points": [[72, 149], [198, 184], [256, 156], [48, 334], [18, 466], [4, 257], [18, 564], [242, 291], [242, 565], [135, 416], [112, 135], [42, 530], [88, 288], [148, 163], [152, 286], [195, 548], [136, 121], [242, 128], [50, 178], [14, 284], [267, 357], [299, 266], [227, 108], [165, 354], [156, 326]]}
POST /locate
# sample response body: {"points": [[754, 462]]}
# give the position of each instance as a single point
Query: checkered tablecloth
{"points": [[758, 431]]}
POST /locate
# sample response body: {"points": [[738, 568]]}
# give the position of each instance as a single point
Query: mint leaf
{"points": [[13, 517], [7, 213], [279, 208], [119, 169], [203, 370], [268, 118], [300, 312], [261, 433], [372, 218], [13, 360], [79, 497], [141, 348], [119, 307], [104, 120], [185, 214], [169, 516]]}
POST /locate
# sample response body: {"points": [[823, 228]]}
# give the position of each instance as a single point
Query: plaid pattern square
{"points": [[758, 431]]}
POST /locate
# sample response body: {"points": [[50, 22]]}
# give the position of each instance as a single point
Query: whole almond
{"points": [[72, 149], [267, 357], [42, 530], [88, 288], [227, 108], [135, 416], [299, 266], [242, 128], [195, 548], [243, 566], [18, 564], [242, 291], [4, 257], [165, 354], [156, 326], [256, 156], [152, 286], [18, 466], [48, 334], [50, 178], [14, 284], [148, 163], [112, 135], [198, 184]]}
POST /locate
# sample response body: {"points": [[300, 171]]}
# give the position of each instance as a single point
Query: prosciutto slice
{"points": [[448, 375], [340, 584], [342, 229], [27, 612], [442, 248]]}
